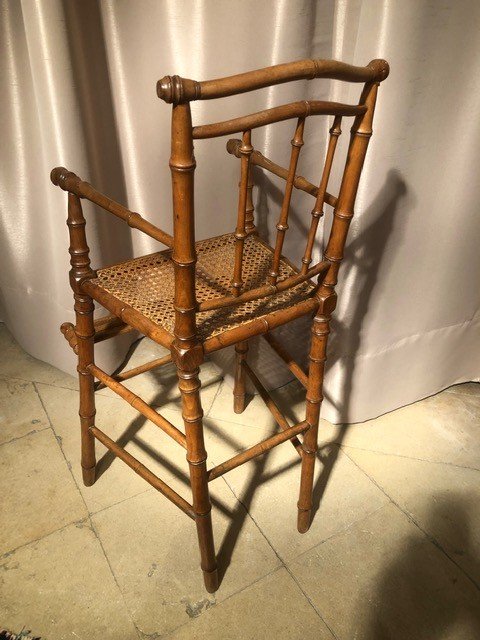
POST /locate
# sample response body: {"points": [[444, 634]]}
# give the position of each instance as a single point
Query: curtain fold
{"points": [[78, 90]]}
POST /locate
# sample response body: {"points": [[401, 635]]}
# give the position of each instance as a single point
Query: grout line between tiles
{"points": [[340, 532], [410, 517], [222, 602], [10, 552], [220, 386], [89, 518], [283, 564], [30, 433], [399, 455], [48, 384]]}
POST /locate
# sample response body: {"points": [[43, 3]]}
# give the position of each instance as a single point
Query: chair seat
{"points": [[147, 284]]}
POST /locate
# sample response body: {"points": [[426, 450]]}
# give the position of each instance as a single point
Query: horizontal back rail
{"points": [[259, 160], [301, 109], [70, 182], [173, 89]]}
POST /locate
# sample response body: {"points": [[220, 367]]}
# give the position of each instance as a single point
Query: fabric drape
{"points": [[78, 90]]}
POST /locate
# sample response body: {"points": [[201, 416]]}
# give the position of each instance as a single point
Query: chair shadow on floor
{"points": [[365, 253], [418, 594]]}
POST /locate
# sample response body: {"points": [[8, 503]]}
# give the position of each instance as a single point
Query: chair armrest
{"points": [[69, 181]]}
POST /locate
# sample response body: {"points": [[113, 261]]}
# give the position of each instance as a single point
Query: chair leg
{"points": [[85, 333], [239, 395], [317, 357], [189, 385]]}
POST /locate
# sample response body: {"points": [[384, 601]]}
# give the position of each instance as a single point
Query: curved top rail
{"points": [[301, 109], [176, 90]]}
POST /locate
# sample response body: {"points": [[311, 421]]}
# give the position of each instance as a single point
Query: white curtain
{"points": [[78, 90]]}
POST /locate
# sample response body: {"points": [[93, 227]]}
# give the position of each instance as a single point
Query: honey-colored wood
{"points": [[128, 314], [282, 224], [239, 393], [240, 232], [317, 211], [173, 89], [84, 332], [256, 450], [110, 326], [188, 343], [187, 353], [277, 114], [259, 160], [140, 405], [143, 472], [143, 368], [260, 325], [70, 336], [317, 357], [70, 182], [250, 208], [271, 405], [343, 213], [267, 290]]}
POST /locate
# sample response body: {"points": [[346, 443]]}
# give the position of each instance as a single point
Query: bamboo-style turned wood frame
{"points": [[187, 349]]}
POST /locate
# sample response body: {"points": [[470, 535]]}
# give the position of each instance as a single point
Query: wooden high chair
{"points": [[197, 297]]}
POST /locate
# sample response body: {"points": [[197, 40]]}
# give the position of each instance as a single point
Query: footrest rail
{"points": [[257, 450], [143, 472]]}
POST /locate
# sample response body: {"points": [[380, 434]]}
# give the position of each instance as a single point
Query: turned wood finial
{"points": [[177, 90], [381, 69], [64, 179]]}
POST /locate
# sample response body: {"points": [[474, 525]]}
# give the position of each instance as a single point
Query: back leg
{"points": [[317, 357], [239, 395]]}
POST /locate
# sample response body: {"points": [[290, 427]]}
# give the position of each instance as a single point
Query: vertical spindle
{"points": [[240, 231], [250, 207], [317, 211], [282, 225]]}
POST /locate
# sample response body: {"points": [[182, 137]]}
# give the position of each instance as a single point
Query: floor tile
{"points": [[269, 487], [442, 428], [152, 549], [444, 500], [37, 489], [383, 579], [274, 607], [21, 411], [224, 438], [468, 388], [45, 588], [16, 363]]}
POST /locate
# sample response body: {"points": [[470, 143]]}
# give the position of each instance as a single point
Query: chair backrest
{"points": [[181, 91]]}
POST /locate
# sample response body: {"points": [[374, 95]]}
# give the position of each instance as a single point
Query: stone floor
{"points": [[393, 552]]}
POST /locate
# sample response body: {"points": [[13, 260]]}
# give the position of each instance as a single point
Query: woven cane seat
{"points": [[147, 284]]}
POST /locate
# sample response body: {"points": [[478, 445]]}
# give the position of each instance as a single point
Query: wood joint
{"points": [[187, 359]]}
